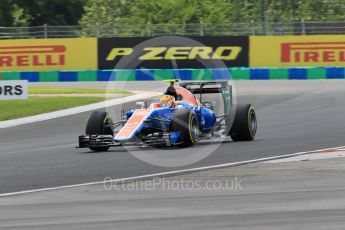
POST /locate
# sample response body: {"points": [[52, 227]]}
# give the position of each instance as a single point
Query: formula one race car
{"points": [[177, 119]]}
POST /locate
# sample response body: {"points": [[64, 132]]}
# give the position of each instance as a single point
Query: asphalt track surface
{"points": [[295, 195], [293, 117]]}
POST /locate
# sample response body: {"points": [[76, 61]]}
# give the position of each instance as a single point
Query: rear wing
{"points": [[199, 87], [211, 87]]}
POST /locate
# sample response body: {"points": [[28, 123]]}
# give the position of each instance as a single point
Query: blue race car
{"points": [[177, 119]]}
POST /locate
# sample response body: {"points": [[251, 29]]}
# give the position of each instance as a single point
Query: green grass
{"points": [[39, 90], [37, 105]]}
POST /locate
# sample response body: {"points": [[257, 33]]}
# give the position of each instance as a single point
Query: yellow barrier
{"points": [[48, 54], [82, 53], [297, 51]]}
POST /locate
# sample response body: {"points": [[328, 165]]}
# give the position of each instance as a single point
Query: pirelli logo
{"points": [[312, 52], [20, 56]]}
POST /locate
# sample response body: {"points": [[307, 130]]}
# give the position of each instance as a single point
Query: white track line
{"points": [[75, 110], [170, 173], [310, 157]]}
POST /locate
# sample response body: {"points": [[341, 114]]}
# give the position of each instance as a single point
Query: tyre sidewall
{"points": [[184, 121], [99, 123], [245, 123]]}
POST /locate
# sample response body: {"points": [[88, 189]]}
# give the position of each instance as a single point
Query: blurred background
{"points": [[109, 18]]}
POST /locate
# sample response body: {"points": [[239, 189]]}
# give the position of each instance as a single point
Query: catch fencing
{"points": [[197, 29]]}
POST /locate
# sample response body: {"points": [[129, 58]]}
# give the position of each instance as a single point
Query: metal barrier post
{"points": [[262, 17], [252, 26], [45, 29], [303, 27], [98, 33], [202, 29], [148, 29]]}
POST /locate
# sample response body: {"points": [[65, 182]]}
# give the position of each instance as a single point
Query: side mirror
{"points": [[141, 105], [209, 105], [129, 114]]}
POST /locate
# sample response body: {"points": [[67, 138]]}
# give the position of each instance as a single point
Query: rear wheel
{"points": [[99, 123], [186, 122], [245, 124]]}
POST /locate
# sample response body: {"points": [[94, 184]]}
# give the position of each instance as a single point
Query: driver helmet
{"points": [[167, 101]]}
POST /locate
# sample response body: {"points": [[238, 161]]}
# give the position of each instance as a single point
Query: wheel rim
{"points": [[252, 122]]}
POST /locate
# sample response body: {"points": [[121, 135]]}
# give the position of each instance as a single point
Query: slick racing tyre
{"points": [[245, 124], [101, 124], [186, 122]]}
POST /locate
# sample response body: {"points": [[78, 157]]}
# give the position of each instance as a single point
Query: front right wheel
{"points": [[186, 122], [245, 124]]}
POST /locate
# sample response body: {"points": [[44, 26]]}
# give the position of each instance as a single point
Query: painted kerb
{"points": [[312, 73]]}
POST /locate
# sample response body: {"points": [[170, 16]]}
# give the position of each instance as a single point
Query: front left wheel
{"points": [[245, 124], [99, 123]]}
